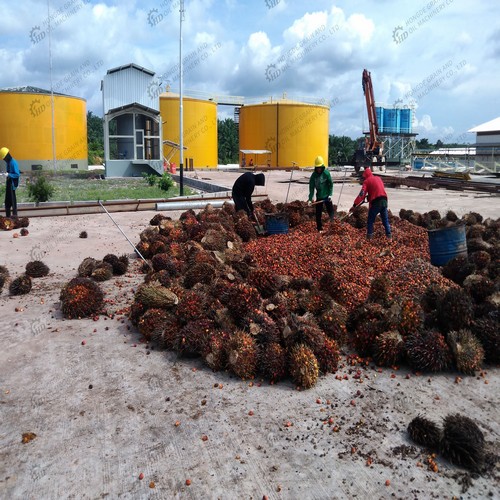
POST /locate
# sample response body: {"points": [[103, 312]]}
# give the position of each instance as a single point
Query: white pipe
{"points": [[185, 205]]}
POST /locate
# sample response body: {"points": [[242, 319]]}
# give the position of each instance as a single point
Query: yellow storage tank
{"points": [[200, 130], [26, 128], [294, 132]]}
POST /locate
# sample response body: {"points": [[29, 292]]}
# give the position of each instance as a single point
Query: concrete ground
{"points": [[108, 409]]}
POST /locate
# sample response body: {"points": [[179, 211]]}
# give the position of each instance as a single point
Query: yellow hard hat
{"points": [[318, 162], [3, 153]]}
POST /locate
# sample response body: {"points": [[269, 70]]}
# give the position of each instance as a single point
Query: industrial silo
{"points": [[200, 130], [35, 135], [293, 132]]}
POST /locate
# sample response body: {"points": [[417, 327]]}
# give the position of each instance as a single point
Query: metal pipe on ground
{"points": [[186, 205]]}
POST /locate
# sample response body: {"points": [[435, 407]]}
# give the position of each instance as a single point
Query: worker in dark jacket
{"points": [[321, 182], [12, 182], [373, 189], [243, 189]]}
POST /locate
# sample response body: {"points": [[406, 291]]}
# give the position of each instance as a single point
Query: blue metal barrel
{"points": [[446, 243], [277, 223]]}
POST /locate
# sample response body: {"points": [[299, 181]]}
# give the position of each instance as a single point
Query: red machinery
{"points": [[371, 152]]}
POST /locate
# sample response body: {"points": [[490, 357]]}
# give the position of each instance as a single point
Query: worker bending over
{"points": [[321, 182], [12, 182], [243, 189], [373, 189]]}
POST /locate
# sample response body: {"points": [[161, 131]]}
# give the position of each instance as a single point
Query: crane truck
{"points": [[370, 151]]}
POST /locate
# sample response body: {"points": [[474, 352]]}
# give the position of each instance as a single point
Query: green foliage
{"points": [[39, 188], [95, 139], [340, 149], [165, 182], [228, 141], [150, 178]]}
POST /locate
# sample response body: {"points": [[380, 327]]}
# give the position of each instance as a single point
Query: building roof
{"points": [[133, 106], [491, 126], [131, 65], [28, 89]]}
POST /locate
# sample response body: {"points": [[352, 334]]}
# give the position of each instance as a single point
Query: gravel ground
{"points": [[104, 405]]}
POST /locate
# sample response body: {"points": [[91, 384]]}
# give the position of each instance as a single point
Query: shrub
{"points": [[40, 189], [165, 182], [150, 178]]}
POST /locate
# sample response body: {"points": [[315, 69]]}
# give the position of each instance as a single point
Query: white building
{"points": [[488, 146]]}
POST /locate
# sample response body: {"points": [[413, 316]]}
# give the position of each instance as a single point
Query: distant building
{"points": [[488, 146]]}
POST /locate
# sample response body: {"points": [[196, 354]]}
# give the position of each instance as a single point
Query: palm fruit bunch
{"points": [[6, 223], [192, 306], [333, 322], [103, 271], [455, 310], [242, 354], [467, 351], [451, 216], [215, 239], [153, 295], [193, 338], [487, 330], [201, 272], [24, 232], [458, 268], [364, 324], [380, 290], [266, 283], [479, 287], [303, 366], [21, 285], [81, 297], [303, 330], [272, 361], [244, 228], [328, 356], [83, 234], [411, 317], [214, 351], [157, 218], [119, 264], [87, 266], [425, 432], [241, 299], [262, 327], [152, 323], [37, 269], [388, 349], [427, 350], [462, 442], [314, 301]]}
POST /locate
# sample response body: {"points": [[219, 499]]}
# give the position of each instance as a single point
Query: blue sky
{"points": [[441, 57]]}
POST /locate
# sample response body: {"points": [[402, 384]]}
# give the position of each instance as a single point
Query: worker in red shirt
{"points": [[373, 189]]}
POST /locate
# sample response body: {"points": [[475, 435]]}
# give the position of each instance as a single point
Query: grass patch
{"points": [[87, 186]]}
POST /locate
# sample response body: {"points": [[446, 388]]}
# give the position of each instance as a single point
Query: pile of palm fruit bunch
{"points": [[10, 223], [82, 296], [283, 306]]}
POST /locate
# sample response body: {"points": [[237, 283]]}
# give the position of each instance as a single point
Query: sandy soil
{"points": [[104, 405]]}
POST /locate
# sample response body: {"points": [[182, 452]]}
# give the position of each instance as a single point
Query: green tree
{"points": [[423, 144], [95, 139], [340, 149], [228, 141]]}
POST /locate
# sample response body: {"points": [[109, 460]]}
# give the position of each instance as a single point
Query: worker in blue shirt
{"points": [[12, 182]]}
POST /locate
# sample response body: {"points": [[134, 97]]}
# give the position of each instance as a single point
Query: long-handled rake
{"points": [[133, 246]]}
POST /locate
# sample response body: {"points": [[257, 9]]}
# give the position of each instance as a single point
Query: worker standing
{"points": [[321, 182], [12, 182], [373, 189], [243, 189]]}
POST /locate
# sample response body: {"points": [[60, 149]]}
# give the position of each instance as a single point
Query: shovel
{"points": [[348, 214], [258, 228]]}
